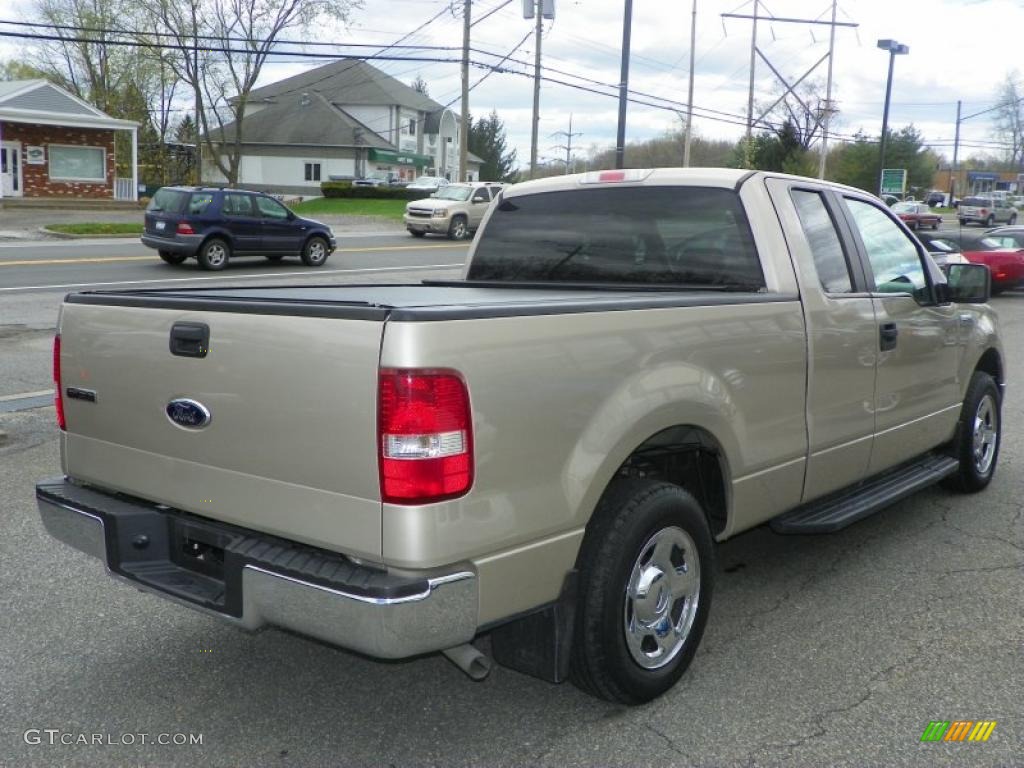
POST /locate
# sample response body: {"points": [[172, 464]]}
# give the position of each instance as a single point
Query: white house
{"points": [[343, 120]]}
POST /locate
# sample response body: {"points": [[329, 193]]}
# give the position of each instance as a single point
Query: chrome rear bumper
{"points": [[381, 614]]}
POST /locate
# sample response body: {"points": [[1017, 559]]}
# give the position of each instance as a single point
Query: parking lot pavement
{"points": [[833, 650]]}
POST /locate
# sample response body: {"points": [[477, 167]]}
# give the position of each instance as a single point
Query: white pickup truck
{"points": [[635, 365]]}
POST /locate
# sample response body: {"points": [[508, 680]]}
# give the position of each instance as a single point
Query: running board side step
{"points": [[839, 510]]}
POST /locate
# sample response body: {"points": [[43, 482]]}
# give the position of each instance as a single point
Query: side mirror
{"points": [[968, 283]]}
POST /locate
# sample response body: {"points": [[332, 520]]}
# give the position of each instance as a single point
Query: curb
{"points": [[97, 236]]}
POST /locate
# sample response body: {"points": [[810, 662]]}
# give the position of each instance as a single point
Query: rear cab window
{"points": [[691, 237]]}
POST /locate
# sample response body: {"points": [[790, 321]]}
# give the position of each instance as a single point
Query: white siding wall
{"points": [[377, 119], [282, 171]]}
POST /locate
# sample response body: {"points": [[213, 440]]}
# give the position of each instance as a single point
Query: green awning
{"points": [[400, 158]]}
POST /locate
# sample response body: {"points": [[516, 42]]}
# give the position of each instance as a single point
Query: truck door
{"points": [[917, 391], [842, 335]]}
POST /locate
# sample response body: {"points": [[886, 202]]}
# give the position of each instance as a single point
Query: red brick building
{"points": [[53, 144]]}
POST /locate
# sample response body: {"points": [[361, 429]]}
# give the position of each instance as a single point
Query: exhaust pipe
{"points": [[469, 660]]}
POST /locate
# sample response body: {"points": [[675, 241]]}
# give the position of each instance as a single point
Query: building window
{"points": [[71, 163], [412, 127], [312, 171]]}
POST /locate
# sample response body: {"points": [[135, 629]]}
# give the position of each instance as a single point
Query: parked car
{"points": [[214, 225], [635, 366], [430, 183], [1001, 250], [935, 198], [943, 250], [455, 211], [986, 210], [890, 200], [917, 215]]}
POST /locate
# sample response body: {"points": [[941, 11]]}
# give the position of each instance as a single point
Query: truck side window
{"points": [[895, 261], [826, 247]]}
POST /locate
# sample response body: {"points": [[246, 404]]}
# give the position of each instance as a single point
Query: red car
{"points": [[1005, 264], [917, 215]]}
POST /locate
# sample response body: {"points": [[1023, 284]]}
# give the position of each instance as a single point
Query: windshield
{"points": [[983, 202], [453, 193], [905, 208], [693, 237]]}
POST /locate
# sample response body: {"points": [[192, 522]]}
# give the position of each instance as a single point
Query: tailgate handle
{"points": [[190, 339]]}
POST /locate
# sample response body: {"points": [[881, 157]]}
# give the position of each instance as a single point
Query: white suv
{"points": [[987, 211], [455, 210]]}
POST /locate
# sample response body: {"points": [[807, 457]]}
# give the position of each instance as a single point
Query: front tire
{"points": [[990, 221], [315, 252], [459, 228], [172, 258], [214, 255], [1012, 220], [646, 571], [978, 432]]}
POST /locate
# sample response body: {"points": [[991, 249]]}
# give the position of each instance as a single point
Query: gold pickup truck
{"points": [[634, 366]]}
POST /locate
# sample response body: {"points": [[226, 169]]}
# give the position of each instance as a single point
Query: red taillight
{"points": [[184, 228], [984, 212], [612, 176], [58, 400], [425, 436]]}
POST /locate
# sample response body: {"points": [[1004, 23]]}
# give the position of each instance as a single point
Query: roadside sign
{"points": [[894, 181]]}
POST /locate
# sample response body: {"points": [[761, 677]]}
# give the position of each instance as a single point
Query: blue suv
{"points": [[214, 225]]}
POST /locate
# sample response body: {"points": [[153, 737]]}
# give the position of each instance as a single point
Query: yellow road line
{"points": [[103, 259]]}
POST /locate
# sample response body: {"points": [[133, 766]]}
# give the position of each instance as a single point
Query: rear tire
{"points": [[963, 222], [1012, 220], [214, 255], [935, 225], [646, 570], [990, 221], [172, 258], [976, 444], [315, 252]]}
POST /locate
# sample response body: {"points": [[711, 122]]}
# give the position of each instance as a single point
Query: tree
{"points": [[780, 150], [420, 86], [801, 108], [857, 162], [1009, 118], [89, 63], [487, 141], [16, 69], [220, 47]]}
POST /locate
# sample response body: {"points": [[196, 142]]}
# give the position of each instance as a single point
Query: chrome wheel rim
{"points": [[459, 230], [661, 598], [215, 255], [985, 434], [317, 252]]}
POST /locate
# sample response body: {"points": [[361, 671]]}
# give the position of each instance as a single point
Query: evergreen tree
{"points": [[487, 141]]}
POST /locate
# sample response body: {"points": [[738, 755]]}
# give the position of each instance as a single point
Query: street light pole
{"points": [[893, 48]]}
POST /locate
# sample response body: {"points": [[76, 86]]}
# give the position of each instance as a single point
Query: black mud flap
{"points": [[539, 644]]}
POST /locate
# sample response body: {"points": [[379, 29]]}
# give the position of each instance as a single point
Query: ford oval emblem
{"points": [[188, 413]]}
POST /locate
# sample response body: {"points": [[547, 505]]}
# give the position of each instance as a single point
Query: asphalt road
{"points": [[820, 651]]}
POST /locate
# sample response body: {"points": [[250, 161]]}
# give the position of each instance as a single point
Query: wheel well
{"points": [[311, 235], [991, 364], [690, 458]]}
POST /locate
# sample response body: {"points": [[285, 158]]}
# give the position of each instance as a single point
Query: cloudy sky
{"points": [[959, 50]]}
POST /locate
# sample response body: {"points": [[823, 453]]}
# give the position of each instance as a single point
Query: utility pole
{"points": [[198, 95], [956, 149], [689, 98], [568, 143], [464, 132], [620, 139], [828, 94], [536, 90], [753, 63]]}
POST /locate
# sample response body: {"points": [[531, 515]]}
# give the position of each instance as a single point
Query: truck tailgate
{"points": [[290, 447]]}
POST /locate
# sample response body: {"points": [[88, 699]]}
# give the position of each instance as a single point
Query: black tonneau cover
{"points": [[421, 301]]}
